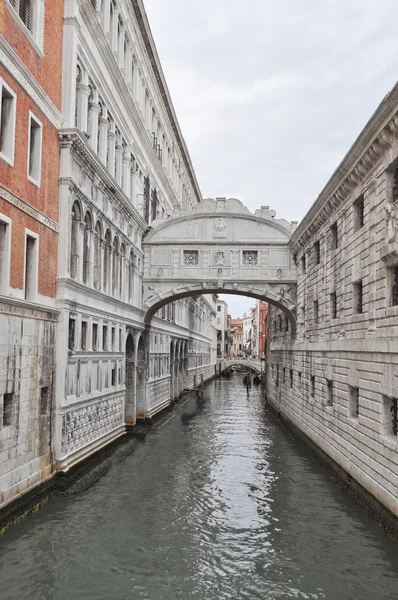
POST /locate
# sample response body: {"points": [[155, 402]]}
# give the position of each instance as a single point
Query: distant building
{"points": [[236, 336], [222, 328], [262, 328]]}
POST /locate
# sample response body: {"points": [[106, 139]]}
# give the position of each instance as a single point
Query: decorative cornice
{"points": [[74, 139], [355, 169], [24, 77], [145, 31]]}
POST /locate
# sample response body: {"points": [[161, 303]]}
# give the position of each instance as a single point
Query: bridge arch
{"points": [[220, 248]]}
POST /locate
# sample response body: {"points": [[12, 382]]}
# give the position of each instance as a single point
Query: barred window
{"points": [[191, 257], [250, 257], [395, 286]]}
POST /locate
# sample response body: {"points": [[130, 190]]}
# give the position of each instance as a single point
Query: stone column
{"points": [[114, 32], [121, 57], [128, 66], [111, 150], [94, 110], [119, 159], [103, 138], [82, 94], [126, 174], [106, 17], [91, 242], [132, 182], [79, 244]]}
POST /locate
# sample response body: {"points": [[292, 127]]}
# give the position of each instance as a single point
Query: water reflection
{"points": [[219, 503]]}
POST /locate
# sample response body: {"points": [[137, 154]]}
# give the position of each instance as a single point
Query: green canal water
{"points": [[218, 503]]}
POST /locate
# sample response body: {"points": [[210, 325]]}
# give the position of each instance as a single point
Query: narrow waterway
{"points": [[218, 503]]}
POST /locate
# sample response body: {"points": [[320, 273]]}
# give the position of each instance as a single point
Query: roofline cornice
{"points": [[366, 152]]}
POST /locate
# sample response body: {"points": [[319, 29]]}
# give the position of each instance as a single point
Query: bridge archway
{"points": [[220, 248]]}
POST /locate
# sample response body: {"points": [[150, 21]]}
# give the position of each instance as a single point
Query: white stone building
{"points": [[222, 328], [336, 380], [124, 163]]}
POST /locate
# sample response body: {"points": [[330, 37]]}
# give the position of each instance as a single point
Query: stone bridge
{"points": [[250, 363], [220, 247]]}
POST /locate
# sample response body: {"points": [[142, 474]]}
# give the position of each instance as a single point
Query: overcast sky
{"points": [[271, 94]]}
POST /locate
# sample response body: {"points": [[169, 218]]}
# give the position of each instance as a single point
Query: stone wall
{"points": [[337, 379]]}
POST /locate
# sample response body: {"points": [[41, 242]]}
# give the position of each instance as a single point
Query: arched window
{"points": [[115, 270], [74, 255], [121, 270], [131, 275], [107, 255], [86, 247], [97, 257]]}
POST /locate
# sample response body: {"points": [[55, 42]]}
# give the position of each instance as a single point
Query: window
{"points": [[317, 252], [353, 402], [329, 392], [284, 375], [7, 123], [333, 305], [26, 12], [113, 376], [250, 258], [359, 206], [8, 405], [390, 416], [395, 186], [313, 386], [291, 377], [299, 380], [84, 336], [113, 338], [105, 337], [31, 266], [394, 286], [5, 257], [277, 375], [334, 236], [358, 297], [95, 336], [316, 311], [71, 334], [286, 324], [303, 263], [191, 258], [34, 149], [43, 400], [219, 308]]}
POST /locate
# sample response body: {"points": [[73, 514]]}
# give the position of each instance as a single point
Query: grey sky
{"points": [[271, 95]]}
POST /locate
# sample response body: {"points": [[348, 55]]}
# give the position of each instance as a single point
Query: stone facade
{"points": [[337, 380], [30, 87]]}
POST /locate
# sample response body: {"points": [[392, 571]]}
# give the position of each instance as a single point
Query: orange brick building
{"points": [[30, 116]]}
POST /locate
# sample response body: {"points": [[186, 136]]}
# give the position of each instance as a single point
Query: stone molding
{"points": [[365, 154], [28, 209]]}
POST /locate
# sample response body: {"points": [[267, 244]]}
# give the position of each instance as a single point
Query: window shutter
{"points": [[14, 4], [30, 17]]}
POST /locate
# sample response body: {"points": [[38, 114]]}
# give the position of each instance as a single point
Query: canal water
{"points": [[218, 503]]}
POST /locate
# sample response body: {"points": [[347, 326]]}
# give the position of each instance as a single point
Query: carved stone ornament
{"points": [[219, 272], [391, 222], [219, 258], [160, 272], [279, 273], [220, 227], [220, 283]]}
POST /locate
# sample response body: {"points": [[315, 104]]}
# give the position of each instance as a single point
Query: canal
{"points": [[218, 503]]}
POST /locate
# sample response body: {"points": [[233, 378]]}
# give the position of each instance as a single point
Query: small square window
{"points": [[7, 123], [394, 286], [250, 258], [191, 258], [8, 409], [34, 149]]}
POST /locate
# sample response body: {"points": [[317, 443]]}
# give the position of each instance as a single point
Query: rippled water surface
{"points": [[218, 503]]}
